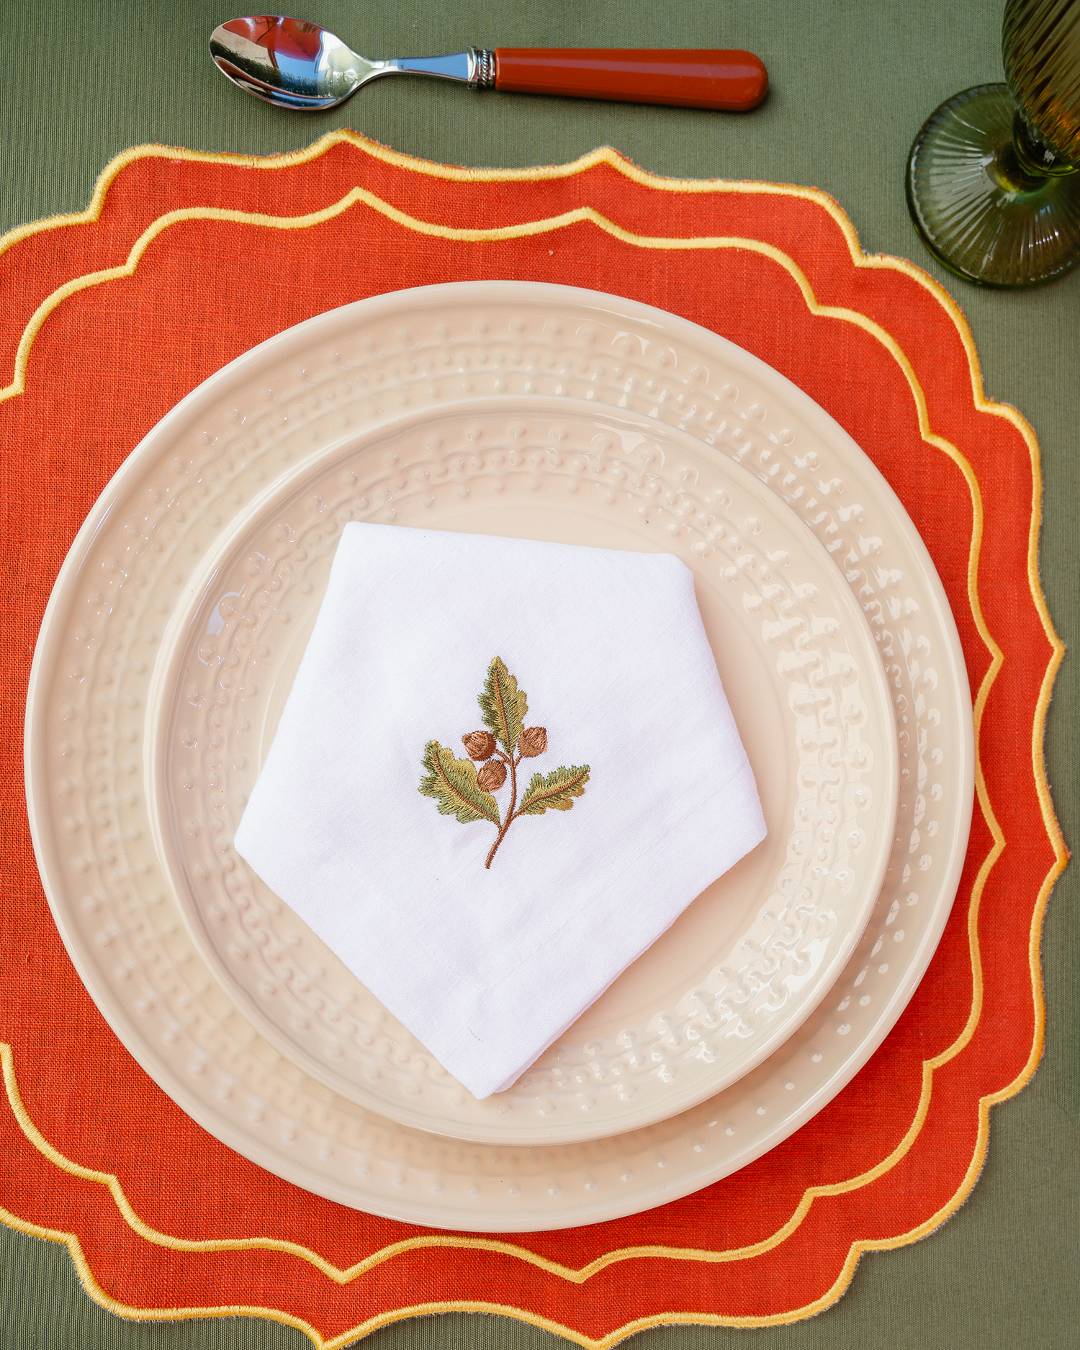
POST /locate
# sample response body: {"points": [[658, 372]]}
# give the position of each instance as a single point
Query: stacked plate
{"points": [[176, 626]]}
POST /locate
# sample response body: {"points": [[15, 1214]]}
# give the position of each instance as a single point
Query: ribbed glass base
{"points": [[980, 211]]}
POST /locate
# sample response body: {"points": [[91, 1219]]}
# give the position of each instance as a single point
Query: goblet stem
{"points": [[1034, 156]]}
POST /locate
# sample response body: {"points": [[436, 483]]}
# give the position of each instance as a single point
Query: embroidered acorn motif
{"points": [[533, 741], [492, 776], [480, 745], [464, 792]]}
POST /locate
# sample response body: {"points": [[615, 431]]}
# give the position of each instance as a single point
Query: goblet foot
{"points": [[986, 215]]}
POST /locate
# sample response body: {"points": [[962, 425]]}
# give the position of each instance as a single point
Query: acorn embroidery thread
{"points": [[463, 788]]}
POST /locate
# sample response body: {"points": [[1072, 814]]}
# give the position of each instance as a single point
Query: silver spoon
{"points": [[299, 65]]}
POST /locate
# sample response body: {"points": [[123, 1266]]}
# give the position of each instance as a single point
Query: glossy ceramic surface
{"points": [[135, 567], [751, 958]]}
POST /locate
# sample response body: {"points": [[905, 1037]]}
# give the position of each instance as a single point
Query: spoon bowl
{"points": [[289, 62]]}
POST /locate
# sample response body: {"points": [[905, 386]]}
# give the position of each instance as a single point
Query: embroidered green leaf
{"points": [[452, 782], [503, 705], [554, 791]]}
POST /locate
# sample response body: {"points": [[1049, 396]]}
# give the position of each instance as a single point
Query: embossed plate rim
{"points": [[573, 1203]]}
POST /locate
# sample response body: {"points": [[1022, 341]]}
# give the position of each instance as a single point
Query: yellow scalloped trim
{"points": [[603, 154], [613, 1338], [360, 195], [342, 1275]]}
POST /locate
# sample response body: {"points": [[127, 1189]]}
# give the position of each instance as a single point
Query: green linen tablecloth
{"points": [[851, 82]]}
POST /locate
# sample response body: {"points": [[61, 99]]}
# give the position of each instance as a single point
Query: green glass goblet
{"points": [[993, 180]]}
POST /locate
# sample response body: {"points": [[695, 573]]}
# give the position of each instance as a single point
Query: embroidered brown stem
{"points": [[510, 817]]}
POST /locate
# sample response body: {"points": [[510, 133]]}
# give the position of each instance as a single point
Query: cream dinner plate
{"points": [[178, 619], [751, 958]]}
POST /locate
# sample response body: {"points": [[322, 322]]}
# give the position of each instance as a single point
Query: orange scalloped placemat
{"points": [[108, 318]]}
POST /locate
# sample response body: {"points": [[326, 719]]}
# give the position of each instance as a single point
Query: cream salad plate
{"points": [[541, 412]]}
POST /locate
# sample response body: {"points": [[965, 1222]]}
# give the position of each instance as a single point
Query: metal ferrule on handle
{"points": [[483, 71]]}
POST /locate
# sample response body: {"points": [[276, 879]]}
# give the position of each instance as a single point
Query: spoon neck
{"points": [[467, 67]]}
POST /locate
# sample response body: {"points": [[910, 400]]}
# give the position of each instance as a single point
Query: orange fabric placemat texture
{"points": [[111, 316]]}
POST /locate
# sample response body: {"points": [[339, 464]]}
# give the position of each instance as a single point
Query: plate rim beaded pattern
{"points": [[653, 363]]}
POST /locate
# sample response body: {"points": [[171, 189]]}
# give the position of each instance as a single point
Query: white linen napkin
{"points": [[580, 676]]}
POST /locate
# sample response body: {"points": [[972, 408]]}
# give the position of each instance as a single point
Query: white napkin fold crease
{"points": [[449, 676]]}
